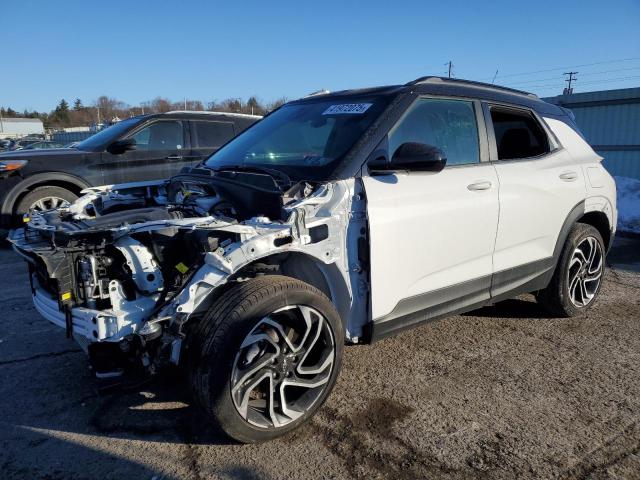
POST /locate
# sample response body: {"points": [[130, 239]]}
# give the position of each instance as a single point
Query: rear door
{"points": [[162, 149], [207, 136], [432, 234], [539, 187]]}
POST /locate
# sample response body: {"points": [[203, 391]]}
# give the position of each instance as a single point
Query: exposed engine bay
{"points": [[126, 268]]}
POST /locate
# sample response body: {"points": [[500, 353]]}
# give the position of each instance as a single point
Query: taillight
{"points": [[10, 165]]}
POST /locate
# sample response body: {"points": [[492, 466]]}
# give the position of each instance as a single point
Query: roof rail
{"points": [[208, 112], [318, 92], [472, 83]]}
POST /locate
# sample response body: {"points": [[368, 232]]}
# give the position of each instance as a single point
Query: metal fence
{"points": [[610, 121], [68, 137]]}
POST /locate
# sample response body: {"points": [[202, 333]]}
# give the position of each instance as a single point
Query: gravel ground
{"points": [[501, 392]]}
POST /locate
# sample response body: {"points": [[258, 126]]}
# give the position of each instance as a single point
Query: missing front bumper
{"points": [[86, 325]]}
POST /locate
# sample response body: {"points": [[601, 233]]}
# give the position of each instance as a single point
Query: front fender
{"points": [[219, 267]]}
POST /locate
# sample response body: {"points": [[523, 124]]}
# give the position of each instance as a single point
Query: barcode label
{"points": [[347, 108]]}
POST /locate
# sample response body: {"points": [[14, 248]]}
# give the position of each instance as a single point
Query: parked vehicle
{"points": [[5, 144], [148, 147], [43, 145], [342, 217], [24, 142]]}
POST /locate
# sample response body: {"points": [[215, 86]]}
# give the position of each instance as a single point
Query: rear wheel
{"points": [[265, 357], [578, 276], [45, 198]]}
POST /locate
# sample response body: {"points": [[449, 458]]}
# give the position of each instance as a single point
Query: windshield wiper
{"points": [[281, 178]]}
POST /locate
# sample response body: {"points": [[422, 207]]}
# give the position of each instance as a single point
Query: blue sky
{"points": [[137, 50]]}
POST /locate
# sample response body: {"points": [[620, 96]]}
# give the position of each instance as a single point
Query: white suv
{"points": [[339, 218]]}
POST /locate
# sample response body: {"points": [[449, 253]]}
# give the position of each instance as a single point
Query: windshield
{"points": [[104, 137], [304, 140]]}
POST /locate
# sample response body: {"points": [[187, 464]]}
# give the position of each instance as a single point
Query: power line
{"points": [[571, 66], [589, 82], [609, 80], [583, 74]]}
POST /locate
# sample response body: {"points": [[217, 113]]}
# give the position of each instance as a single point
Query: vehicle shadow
{"points": [[517, 308], [160, 407], [85, 426]]}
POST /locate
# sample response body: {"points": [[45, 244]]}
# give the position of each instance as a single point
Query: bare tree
{"points": [[276, 104], [109, 108], [189, 105]]}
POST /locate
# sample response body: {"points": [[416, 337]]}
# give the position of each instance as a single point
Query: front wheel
{"points": [[578, 276], [265, 357]]}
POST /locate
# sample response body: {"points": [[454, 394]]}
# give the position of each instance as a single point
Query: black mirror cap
{"points": [[121, 146], [419, 157], [412, 157]]}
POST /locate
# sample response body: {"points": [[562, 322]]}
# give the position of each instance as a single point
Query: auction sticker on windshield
{"points": [[347, 108]]}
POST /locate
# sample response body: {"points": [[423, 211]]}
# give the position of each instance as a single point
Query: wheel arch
{"points": [[578, 214], [600, 222], [574, 215], [51, 179], [302, 266]]}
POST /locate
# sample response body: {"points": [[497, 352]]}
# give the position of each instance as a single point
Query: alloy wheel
{"points": [[283, 367], [48, 203], [585, 271]]}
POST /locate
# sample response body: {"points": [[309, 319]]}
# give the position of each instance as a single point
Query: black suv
{"points": [[147, 147]]}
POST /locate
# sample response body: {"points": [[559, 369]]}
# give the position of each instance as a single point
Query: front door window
{"points": [[447, 124]]}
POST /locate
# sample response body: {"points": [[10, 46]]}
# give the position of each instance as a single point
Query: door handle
{"points": [[479, 185], [568, 176], [173, 157]]}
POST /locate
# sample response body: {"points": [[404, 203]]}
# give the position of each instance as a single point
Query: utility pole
{"points": [[571, 78], [450, 67]]}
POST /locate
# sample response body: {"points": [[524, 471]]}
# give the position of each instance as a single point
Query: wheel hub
{"points": [[48, 203]]}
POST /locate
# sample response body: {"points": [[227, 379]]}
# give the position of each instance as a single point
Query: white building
{"points": [[20, 127]]}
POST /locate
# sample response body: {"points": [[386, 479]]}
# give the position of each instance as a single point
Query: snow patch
{"points": [[628, 204]]}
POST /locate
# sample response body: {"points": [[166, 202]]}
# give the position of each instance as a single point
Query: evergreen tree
{"points": [[63, 106], [77, 105], [60, 115], [253, 106]]}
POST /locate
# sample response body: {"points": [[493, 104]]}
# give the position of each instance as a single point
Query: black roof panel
{"points": [[452, 87]]}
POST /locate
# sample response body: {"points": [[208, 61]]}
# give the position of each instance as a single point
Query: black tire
{"points": [[556, 298], [40, 193], [214, 345]]}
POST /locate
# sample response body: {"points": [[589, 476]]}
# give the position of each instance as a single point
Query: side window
{"points": [[518, 134], [163, 135], [449, 125], [212, 134]]}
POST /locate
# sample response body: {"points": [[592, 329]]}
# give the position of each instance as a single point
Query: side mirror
{"points": [[412, 157], [120, 146]]}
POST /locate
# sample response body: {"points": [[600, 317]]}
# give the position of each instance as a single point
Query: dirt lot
{"points": [[502, 392]]}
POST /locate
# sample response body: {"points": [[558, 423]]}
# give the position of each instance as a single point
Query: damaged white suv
{"points": [[339, 218]]}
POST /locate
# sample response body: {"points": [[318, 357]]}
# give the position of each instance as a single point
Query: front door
{"points": [[160, 153], [432, 234]]}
